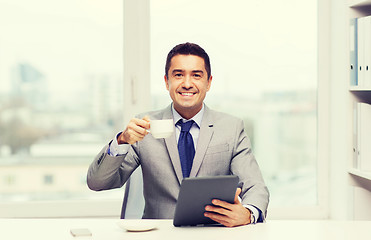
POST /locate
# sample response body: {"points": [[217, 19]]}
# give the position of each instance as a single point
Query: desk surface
{"points": [[108, 229]]}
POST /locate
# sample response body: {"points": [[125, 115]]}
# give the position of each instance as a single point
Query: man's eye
{"points": [[178, 75], [197, 75]]}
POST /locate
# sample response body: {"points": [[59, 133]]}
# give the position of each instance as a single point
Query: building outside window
{"points": [[61, 84]]}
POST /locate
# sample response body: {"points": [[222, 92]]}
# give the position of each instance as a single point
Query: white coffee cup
{"points": [[162, 128]]}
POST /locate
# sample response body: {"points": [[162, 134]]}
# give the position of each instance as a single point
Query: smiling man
{"points": [[205, 143], [187, 82]]}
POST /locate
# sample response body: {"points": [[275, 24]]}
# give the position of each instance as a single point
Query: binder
{"points": [[353, 52], [355, 135], [367, 52], [361, 50], [364, 136]]}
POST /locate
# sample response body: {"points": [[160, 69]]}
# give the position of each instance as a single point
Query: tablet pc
{"points": [[195, 193]]}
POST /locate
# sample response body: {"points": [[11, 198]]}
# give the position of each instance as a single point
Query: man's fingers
{"points": [[219, 210], [216, 217], [129, 136], [135, 131], [222, 204], [238, 192], [146, 118], [136, 128], [143, 123], [227, 205], [226, 221], [228, 214]]}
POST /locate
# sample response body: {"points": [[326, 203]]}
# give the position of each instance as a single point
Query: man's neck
{"points": [[188, 113]]}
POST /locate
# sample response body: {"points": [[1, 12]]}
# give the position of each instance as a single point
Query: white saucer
{"points": [[137, 225]]}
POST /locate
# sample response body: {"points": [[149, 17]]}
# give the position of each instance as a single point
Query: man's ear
{"points": [[209, 83], [166, 82]]}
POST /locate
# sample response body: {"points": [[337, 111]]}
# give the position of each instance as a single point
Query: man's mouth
{"points": [[187, 93]]}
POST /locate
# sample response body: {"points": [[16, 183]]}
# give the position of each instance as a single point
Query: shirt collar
{"points": [[197, 118]]}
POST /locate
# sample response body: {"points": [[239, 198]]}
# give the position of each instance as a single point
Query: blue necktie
{"points": [[185, 147]]}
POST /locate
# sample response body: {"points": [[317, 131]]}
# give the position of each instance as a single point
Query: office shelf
{"points": [[358, 128], [359, 89], [361, 174], [359, 3]]}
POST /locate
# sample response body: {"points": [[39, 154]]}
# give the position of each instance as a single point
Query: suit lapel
{"points": [[172, 148], [206, 133]]}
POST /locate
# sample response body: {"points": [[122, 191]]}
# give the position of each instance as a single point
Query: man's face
{"points": [[187, 84]]}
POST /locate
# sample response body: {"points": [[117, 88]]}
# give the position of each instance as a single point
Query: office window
{"points": [[61, 71], [264, 65]]}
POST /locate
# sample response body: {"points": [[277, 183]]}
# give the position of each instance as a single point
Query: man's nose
{"points": [[187, 83]]}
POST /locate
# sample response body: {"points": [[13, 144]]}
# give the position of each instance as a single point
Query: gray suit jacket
{"points": [[223, 148]]}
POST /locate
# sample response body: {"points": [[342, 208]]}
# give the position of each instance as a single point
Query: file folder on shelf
{"points": [[364, 136], [367, 52], [353, 52], [355, 136], [361, 50]]}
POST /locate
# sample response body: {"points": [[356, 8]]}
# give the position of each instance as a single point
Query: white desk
{"points": [[107, 229]]}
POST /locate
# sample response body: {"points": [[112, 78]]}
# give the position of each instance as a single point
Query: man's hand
{"points": [[228, 214], [135, 131]]}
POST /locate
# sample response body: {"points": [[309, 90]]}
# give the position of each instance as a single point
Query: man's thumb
{"points": [[238, 191]]}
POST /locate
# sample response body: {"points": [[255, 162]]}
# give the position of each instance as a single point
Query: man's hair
{"points": [[188, 49]]}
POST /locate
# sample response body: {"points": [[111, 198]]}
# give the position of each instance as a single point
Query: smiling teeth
{"points": [[187, 94]]}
